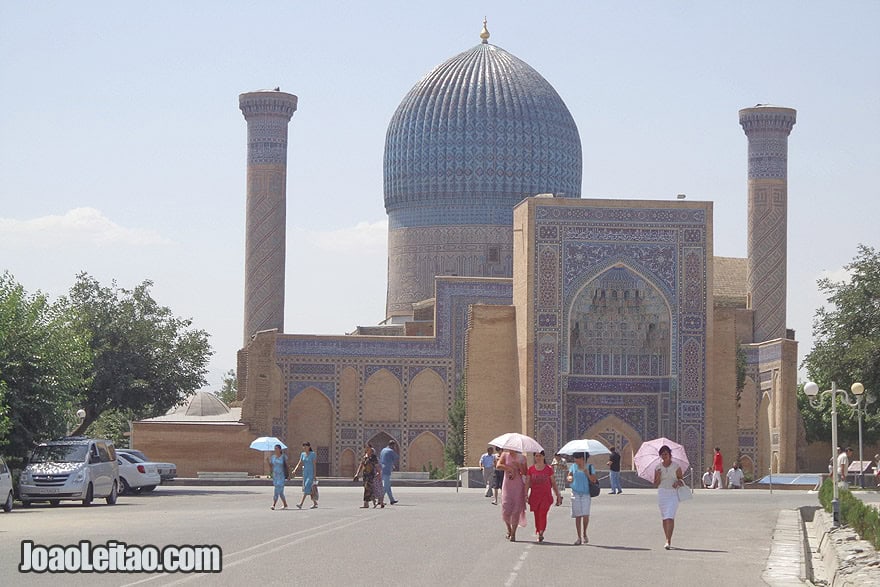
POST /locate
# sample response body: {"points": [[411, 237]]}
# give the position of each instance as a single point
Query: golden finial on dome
{"points": [[484, 34]]}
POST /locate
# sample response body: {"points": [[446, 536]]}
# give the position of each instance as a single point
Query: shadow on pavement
{"points": [[181, 492], [698, 550], [617, 547]]}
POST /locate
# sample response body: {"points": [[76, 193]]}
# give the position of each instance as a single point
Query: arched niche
{"points": [[310, 419], [619, 324], [748, 467], [427, 397], [612, 431], [382, 397], [347, 465], [380, 440], [425, 450]]}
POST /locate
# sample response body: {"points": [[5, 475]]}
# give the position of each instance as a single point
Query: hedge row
{"points": [[864, 519]]}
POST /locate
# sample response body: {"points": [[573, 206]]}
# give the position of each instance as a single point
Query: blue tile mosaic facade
{"points": [[318, 361], [627, 287]]}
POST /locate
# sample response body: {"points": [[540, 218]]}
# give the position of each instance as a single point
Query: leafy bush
{"points": [[447, 472], [864, 519]]}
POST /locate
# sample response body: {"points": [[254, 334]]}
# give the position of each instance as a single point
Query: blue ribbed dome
{"points": [[473, 138]]}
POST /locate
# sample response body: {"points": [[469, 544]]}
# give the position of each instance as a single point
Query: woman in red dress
{"points": [[540, 483]]}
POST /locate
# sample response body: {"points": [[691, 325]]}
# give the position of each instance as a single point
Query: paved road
{"points": [[434, 536]]}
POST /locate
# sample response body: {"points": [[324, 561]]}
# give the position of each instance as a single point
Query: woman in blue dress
{"points": [[278, 460], [307, 461], [579, 476]]}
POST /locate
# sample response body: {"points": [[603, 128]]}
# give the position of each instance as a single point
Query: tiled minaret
{"points": [[267, 113], [767, 128]]}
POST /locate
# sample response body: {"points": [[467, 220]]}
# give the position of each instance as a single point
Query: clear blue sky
{"points": [[122, 149]]}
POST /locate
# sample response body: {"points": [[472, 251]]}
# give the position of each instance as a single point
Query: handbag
{"points": [[594, 487], [684, 493], [314, 494], [286, 466]]}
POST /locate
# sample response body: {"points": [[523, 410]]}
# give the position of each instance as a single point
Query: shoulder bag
{"points": [[684, 493], [594, 487]]}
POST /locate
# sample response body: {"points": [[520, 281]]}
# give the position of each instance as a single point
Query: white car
{"points": [[5, 487], [137, 475], [167, 471]]}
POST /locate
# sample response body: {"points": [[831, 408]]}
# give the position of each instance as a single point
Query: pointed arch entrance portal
{"points": [[612, 431]]}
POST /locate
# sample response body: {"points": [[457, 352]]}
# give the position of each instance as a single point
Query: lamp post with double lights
{"points": [[816, 400]]}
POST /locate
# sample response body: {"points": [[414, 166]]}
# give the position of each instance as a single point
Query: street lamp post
{"points": [[80, 416], [815, 397], [861, 398]]}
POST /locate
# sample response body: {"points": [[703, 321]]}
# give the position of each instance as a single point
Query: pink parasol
{"points": [[647, 459], [517, 442]]}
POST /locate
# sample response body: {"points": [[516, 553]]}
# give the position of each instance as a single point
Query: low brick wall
{"points": [[200, 447]]}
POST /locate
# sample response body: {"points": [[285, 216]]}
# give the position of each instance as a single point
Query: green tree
{"points": [[847, 348], [741, 365], [5, 422], [228, 387], [43, 367], [453, 452], [144, 359], [112, 425]]}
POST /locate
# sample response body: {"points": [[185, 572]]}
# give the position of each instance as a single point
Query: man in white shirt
{"points": [[487, 465], [735, 477], [707, 478], [843, 466]]}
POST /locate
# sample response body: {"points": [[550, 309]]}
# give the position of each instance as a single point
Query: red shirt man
{"points": [[717, 468]]}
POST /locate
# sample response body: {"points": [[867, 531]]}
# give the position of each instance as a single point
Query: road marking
{"points": [[309, 533], [511, 578]]}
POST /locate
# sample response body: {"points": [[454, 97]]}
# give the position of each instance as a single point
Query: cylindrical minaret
{"points": [[767, 128], [267, 113]]}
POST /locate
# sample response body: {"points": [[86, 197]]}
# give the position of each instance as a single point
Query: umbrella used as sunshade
{"points": [[516, 441], [267, 444], [647, 459], [594, 447]]}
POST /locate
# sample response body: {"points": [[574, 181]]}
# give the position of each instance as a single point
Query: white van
{"points": [[71, 468]]}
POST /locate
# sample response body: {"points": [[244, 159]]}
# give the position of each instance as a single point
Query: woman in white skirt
{"points": [[667, 478], [579, 476]]}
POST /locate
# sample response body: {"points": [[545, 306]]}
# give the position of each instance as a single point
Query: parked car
{"points": [[167, 471], [5, 486], [73, 467], [136, 475]]}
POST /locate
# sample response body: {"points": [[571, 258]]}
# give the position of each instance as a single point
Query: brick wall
{"points": [[199, 447], [493, 402], [721, 410]]}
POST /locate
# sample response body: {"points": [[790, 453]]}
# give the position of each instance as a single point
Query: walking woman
{"points": [[367, 472], [378, 485], [307, 462], [278, 460], [539, 484], [579, 476], [667, 478], [513, 496]]}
